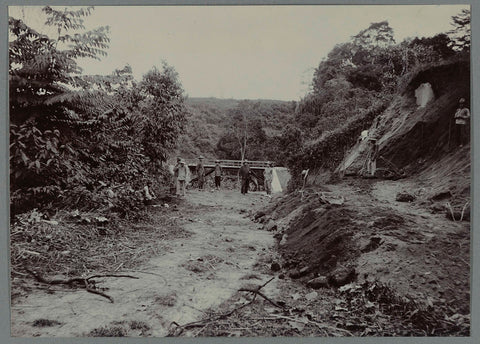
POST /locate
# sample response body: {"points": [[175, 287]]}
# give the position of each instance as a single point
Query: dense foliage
{"points": [[84, 141], [354, 83], [253, 129], [214, 127]]}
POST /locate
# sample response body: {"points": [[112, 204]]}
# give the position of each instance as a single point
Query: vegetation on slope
{"points": [[355, 84]]}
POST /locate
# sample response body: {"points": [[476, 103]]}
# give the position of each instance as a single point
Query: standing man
{"points": [[200, 172], [372, 156], [175, 175], [218, 174], [461, 116], [244, 174], [182, 173], [268, 177]]}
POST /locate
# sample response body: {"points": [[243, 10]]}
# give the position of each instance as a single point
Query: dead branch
{"points": [[93, 291], [178, 330], [257, 292], [83, 282], [39, 278], [451, 211], [463, 211], [110, 275]]}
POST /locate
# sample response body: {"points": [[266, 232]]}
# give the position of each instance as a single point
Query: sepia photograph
{"points": [[240, 171]]}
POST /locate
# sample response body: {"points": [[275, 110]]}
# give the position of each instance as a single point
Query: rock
{"points": [[278, 236], [270, 226], [275, 266], [441, 196], [373, 244], [101, 219], [311, 296], [299, 273], [284, 240], [405, 197], [264, 219], [342, 276], [259, 215], [318, 282]]}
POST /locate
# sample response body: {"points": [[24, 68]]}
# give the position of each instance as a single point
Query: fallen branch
{"points": [[257, 292], [451, 211], [178, 330], [463, 211], [93, 291], [82, 282]]}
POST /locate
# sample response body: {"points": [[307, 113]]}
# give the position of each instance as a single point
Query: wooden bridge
{"points": [[228, 164], [231, 167]]}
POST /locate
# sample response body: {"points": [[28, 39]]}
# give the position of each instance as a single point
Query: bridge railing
{"points": [[228, 163]]}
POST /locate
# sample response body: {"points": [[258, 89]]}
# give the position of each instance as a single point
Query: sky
{"points": [[242, 52]]}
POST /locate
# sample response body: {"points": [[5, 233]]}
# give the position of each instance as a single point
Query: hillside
{"points": [[417, 140], [208, 120], [406, 239]]}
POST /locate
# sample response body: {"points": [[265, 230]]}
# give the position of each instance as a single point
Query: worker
{"points": [[461, 116], [200, 172], [175, 174], [182, 176], [244, 173], [218, 174], [372, 156], [268, 177]]}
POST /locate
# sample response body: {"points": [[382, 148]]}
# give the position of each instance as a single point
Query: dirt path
{"points": [[195, 274]]}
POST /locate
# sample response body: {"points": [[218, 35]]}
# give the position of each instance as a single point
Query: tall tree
{"points": [[46, 92], [461, 33], [163, 111]]}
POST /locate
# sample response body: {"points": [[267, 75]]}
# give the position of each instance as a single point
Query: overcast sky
{"points": [[243, 52]]}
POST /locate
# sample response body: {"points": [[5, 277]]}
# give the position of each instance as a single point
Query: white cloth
{"points": [[276, 186]]}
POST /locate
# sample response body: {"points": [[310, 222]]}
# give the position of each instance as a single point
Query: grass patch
{"points": [[45, 323], [108, 331]]}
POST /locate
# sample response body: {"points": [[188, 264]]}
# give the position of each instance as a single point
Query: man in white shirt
{"points": [[461, 116]]}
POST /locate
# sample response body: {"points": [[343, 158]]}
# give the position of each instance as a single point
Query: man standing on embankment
{"points": [[461, 116]]}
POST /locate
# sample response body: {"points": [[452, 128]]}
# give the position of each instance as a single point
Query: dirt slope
{"points": [[411, 137], [372, 238]]}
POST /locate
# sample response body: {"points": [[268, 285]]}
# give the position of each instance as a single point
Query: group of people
{"points": [[182, 176]]}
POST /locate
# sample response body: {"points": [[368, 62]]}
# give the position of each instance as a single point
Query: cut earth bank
{"points": [[351, 261]]}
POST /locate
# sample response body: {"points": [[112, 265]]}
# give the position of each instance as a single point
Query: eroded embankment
{"points": [[356, 232]]}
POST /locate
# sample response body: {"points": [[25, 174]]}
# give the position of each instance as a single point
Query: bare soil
{"points": [[192, 275], [390, 269]]}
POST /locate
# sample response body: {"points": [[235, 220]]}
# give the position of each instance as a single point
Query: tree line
{"points": [[82, 141]]}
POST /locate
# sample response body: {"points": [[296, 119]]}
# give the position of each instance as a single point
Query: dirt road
{"points": [[196, 273]]}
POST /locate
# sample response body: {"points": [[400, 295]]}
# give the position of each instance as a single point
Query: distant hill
{"points": [[207, 122]]}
